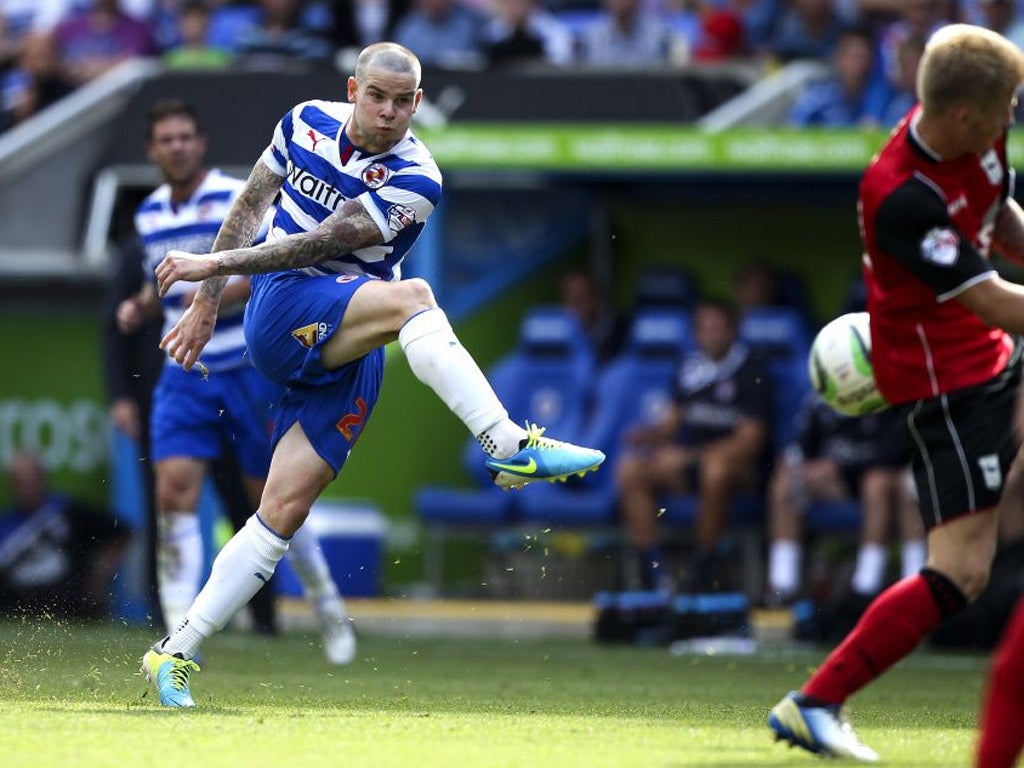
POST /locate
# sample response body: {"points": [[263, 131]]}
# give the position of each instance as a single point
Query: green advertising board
{"points": [[51, 399], [654, 148]]}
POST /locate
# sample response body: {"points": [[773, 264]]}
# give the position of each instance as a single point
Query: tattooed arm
{"points": [[186, 340], [237, 231], [349, 228]]}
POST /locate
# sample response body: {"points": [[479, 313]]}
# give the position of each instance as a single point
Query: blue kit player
{"points": [[195, 416], [356, 188]]}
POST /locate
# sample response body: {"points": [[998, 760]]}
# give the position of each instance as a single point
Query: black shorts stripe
{"points": [[963, 443]]}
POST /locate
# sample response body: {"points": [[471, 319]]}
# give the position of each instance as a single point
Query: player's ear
{"points": [[417, 99], [353, 88]]}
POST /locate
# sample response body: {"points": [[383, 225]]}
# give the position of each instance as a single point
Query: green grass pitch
{"points": [[70, 696]]}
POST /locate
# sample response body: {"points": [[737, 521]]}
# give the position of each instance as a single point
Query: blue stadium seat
{"points": [[633, 388], [546, 379], [782, 336], [833, 516], [670, 287]]}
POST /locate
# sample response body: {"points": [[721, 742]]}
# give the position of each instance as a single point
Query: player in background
{"points": [[837, 457], [195, 416], [932, 204], [356, 188]]}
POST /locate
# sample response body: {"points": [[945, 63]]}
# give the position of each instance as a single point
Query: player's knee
{"points": [[417, 295], [629, 472], [174, 494]]}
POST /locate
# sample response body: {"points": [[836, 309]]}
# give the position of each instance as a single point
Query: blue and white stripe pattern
{"points": [[192, 226], [323, 169]]}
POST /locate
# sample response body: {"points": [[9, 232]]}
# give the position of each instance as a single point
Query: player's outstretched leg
{"points": [[169, 675], [822, 730], [517, 456], [543, 458]]}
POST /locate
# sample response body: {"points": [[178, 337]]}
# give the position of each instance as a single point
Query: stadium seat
{"points": [[632, 388], [782, 336], [665, 287], [833, 516], [547, 379]]}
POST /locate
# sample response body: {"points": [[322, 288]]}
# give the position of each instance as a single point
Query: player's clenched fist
{"points": [[179, 265]]}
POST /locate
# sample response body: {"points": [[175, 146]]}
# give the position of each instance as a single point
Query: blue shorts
{"points": [[194, 417], [288, 319]]}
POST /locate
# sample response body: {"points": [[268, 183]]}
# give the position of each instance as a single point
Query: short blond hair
{"points": [[390, 56], [966, 64]]}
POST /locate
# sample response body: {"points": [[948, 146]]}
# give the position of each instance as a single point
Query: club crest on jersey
{"points": [[941, 246], [308, 335], [376, 176], [400, 217]]}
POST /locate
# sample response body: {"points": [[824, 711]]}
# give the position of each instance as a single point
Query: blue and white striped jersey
{"points": [[192, 226], [322, 169]]}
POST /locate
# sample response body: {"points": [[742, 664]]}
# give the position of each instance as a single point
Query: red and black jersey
{"points": [[926, 225]]}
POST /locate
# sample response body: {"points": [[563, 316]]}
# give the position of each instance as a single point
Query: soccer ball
{"points": [[840, 366]]}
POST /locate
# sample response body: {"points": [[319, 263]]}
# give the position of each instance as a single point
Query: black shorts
{"points": [[962, 444]]}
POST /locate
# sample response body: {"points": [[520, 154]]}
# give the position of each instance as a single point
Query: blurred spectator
{"points": [[1002, 16], [357, 23], [721, 36], [759, 283], [228, 20], [92, 41], [57, 555], [756, 284], [760, 18], [443, 33], [626, 34], [918, 17], [683, 18], [836, 458], [889, 101], [605, 328], [192, 50], [281, 40], [17, 19], [520, 31], [807, 29], [839, 100], [35, 83], [711, 441]]}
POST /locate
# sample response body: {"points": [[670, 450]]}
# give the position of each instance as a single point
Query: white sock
{"points": [[180, 559], [443, 364], [243, 566], [913, 555], [307, 558], [870, 568], [784, 558]]}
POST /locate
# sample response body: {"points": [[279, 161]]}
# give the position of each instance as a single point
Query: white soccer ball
{"points": [[840, 366]]}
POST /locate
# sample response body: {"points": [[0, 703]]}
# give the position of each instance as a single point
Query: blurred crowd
{"points": [[50, 47]]}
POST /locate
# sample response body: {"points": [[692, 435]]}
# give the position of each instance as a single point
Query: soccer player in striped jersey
{"points": [[194, 417], [356, 187]]}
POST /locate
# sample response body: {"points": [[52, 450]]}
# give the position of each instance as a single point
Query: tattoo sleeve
{"points": [[243, 221], [347, 229], [1008, 233]]}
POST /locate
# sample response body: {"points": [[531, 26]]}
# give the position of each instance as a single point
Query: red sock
{"points": [[891, 628], [1002, 720]]}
